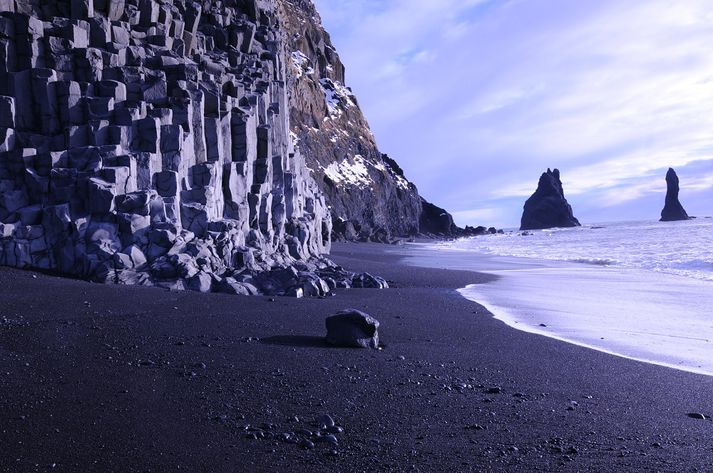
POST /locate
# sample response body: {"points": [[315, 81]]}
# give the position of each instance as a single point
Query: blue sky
{"points": [[476, 98]]}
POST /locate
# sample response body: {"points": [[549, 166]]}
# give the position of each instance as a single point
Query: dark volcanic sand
{"points": [[103, 378]]}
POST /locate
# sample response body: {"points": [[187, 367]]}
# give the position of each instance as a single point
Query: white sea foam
{"points": [[684, 248], [638, 290]]}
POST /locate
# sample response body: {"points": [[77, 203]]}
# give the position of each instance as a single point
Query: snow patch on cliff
{"points": [[401, 182], [337, 97], [349, 173], [301, 63]]}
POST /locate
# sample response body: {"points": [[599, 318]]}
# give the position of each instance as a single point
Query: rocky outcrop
{"points": [[547, 207], [673, 210], [147, 142], [435, 220], [368, 194]]}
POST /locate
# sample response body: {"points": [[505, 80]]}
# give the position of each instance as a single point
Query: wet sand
{"points": [[124, 379]]}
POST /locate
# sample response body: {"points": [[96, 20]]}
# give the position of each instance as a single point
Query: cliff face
{"points": [[189, 145], [547, 207], [367, 192], [673, 210], [148, 142]]}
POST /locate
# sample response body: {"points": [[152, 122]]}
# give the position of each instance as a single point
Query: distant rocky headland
{"points": [[547, 207]]}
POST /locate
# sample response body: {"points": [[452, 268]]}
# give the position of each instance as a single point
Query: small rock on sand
{"points": [[325, 421]]}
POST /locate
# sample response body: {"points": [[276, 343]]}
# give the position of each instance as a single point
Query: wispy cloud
{"points": [[476, 98]]}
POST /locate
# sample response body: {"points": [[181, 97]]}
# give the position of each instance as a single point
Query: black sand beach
{"points": [[127, 379]]}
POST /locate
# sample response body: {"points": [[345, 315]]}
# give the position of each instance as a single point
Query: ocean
{"points": [[641, 290]]}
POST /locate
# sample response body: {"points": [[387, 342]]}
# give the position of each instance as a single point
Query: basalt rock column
{"points": [[673, 210], [548, 208], [147, 142]]}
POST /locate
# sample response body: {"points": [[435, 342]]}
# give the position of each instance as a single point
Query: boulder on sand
{"points": [[352, 328]]}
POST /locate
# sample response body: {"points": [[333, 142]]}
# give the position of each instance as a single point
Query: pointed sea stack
{"points": [[547, 208], [673, 210]]}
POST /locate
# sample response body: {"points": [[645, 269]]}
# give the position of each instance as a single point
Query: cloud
{"points": [[477, 215], [476, 98]]}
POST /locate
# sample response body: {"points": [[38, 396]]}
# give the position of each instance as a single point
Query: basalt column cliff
{"points": [[149, 142]]}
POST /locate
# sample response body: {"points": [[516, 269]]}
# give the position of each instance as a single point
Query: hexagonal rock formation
{"points": [[148, 142], [673, 210], [547, 207]]}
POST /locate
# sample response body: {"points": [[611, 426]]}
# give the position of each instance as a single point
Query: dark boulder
{"points": [[435, 220], [547, 207], [352, 328], [673, 210], [475, 231], [368, 281], [344, 230]]}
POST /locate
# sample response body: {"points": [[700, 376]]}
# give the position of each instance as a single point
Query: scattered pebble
{"points": [[306, 444], [329, 438], [325, 421], [474, 427]]}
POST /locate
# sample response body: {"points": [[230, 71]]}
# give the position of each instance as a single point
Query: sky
{"points": [[476, 98]]}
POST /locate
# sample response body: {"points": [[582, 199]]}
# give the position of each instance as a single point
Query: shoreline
{"points": [[641, 315], [115, 378]]}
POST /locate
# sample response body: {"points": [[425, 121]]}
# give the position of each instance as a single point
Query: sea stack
{"points": [[673, 210], [547, 207]]}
